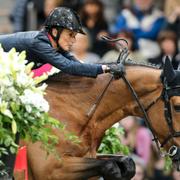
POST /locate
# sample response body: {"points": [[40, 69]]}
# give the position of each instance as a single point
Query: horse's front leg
{"points": [[45, 167], [127, 166], [124, 165], [76, 168]]}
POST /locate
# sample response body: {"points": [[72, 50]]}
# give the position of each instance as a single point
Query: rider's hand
{"points": [[116, 69]]}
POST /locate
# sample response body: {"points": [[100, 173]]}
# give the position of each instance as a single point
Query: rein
{"points": [[147, 121], [94, 106], [122, 56]]}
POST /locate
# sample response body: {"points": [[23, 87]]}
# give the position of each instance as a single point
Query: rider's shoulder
{"points": [[39, 38]]}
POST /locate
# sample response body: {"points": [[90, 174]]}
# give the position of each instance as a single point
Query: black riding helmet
{"points": [[63, 17]]}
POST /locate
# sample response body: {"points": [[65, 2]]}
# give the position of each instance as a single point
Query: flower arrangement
{"points": [[23, 109]]}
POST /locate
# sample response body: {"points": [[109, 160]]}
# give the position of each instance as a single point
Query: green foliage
{"points": [[111, 143], [168, 164]]}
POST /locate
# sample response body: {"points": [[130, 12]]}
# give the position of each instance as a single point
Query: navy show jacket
{"points": [[39, 50]]}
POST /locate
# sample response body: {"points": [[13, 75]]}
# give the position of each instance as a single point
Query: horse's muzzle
{"points": [[174, 153]]}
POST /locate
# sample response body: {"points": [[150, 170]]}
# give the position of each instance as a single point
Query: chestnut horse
{"points": [[88, 107]]}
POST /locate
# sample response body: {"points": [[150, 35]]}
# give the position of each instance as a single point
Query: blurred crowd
{"points": [[150, 165], [152, 29]]}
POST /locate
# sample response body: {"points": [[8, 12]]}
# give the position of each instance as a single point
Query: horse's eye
{"points": [[177, 108]]}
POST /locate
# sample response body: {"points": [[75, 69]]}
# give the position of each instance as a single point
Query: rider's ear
{"points": [[168, 70]]}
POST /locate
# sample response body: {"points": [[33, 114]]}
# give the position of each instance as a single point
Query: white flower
{"points": [[5, 81], [116, 125], [11, 94], [28, 108], [17, 85], [35, 99], [23, 80]]}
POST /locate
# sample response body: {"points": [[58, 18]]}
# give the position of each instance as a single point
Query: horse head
{"points": [[160, 107], [171, 97]]}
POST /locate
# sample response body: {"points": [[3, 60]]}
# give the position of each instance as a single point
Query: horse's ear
{"points": [[168, 70]]}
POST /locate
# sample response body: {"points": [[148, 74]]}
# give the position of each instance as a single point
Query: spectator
{"points": [[168, 44], [49, 5], [159, 171], [111, 9], [73, 4], [31, 14], [140, 169], [38, 8], [145, 21], [176, 175], [155, 168], [93, 19], [135, 54], [44, 9], [80, 49], [172, 12], [137, 137], [18, 16]]}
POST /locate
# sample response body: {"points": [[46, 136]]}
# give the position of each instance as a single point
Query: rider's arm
{"points": [[47, 54]]}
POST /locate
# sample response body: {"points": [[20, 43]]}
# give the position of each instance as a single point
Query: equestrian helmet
{"points": [[63, 17]]}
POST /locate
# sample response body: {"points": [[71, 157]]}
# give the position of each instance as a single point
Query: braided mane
{"points": [[134, 63], [130, 62]]}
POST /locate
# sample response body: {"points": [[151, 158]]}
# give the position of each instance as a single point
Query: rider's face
{"points": [[66, 40]]}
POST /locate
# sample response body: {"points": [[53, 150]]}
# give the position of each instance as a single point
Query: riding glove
{"points": [[116, 69]]}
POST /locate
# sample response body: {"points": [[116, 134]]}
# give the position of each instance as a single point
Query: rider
{"points": [[52, 45]]}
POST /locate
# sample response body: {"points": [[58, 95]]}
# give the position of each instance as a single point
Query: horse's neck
{"points": [[71, 98], [118, 101], [74, 96]]}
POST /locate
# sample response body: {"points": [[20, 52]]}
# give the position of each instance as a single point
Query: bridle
{"points": [[167, 93]]}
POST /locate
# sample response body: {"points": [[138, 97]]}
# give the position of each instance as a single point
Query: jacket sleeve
{"points": [[47, 54]]}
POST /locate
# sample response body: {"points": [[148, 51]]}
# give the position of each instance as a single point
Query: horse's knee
{"points": [[110, 170], [127, 166]]}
